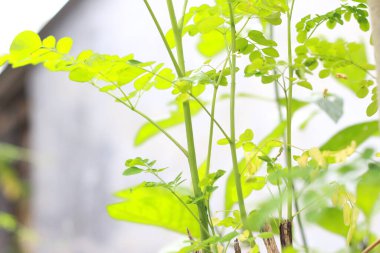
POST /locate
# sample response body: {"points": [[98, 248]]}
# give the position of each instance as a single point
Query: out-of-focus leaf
{"points": [[358, 133], [211, 43], [368, 190], [332, 106], [154, 206], [329, 218], [7, 222]]}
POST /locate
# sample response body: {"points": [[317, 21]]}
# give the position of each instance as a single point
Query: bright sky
{"points": [[19, 15]]}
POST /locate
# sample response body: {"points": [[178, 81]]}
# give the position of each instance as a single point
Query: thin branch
{"points": [[372, 246], [184, 151], [175, 63]]}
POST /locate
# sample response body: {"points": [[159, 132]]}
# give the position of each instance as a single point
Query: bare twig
{"points": [[270, 243], [191, 239], [372, 246], [237, 246], [286, 235]]}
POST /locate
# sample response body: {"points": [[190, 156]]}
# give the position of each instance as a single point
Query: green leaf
{"points": [[209, 24], [132, 171], [228, 237], [329, 218], [148, 130], [357, 54], [143, 82], [164, 79], [211, 43], [81, 74], [64, 45], [49, 42], [223, 141], [241, 44], [7, 222], [364, 25], [154, 206], [258, 37], [368, 190], [358, 133], [258, 183], [269, 79], [332, 106], [305, 84], [246, 136], [270, 51], [362, 92], [23, 45], [324, 73], [248, 187], [372, 108]]}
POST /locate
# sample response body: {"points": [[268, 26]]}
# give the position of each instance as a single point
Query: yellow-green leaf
{"points": [[211, 43], [81, 74], [49, 42], [155, 206], [23, 45], [64, 45]]}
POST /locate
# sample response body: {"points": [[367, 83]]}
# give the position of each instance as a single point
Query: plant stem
{"points": [[281, 117], [239, 191], [211, 131], [177, 36], [289, 115], [194, 172], [159, 29], [372, 246], [202, 209]]}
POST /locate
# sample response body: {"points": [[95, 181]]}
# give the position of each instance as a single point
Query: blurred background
{"points": [[63, 144]]}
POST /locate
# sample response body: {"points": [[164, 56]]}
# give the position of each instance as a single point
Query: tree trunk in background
{"points": [[374, 9]]}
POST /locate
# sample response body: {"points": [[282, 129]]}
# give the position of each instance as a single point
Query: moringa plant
{"points": [[236, 37]]}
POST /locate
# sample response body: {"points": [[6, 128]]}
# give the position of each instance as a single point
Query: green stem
{"points": [[289, 115], [211, 132], [296, 205], [202, 209], [239, 190], [159, 29], [182, 21], [177, 36]]}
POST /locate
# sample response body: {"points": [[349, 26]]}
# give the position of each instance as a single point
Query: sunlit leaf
{"points": [[211, 43], [154, 206], [23, 45], [81, 74], [64, 45]]}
